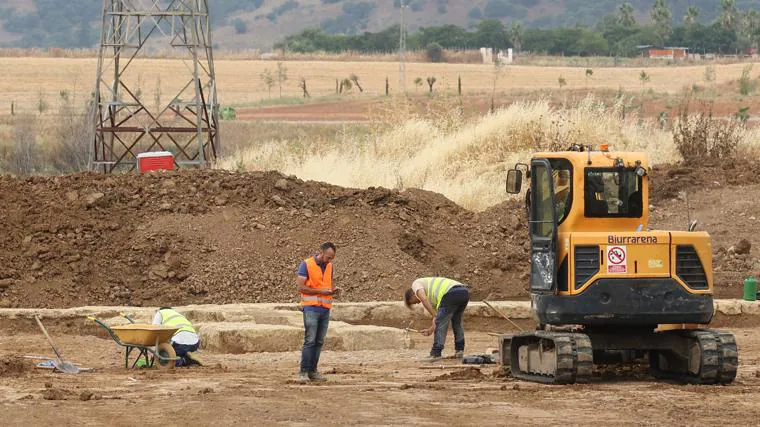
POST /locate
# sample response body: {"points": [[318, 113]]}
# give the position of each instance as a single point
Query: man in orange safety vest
{"points": [[315, 284]]}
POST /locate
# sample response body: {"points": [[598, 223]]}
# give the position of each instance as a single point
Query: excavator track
{"points": [[728, 356], [713, 359], [552, 357]]}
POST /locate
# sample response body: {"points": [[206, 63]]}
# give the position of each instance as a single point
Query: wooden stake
{"points": [[503, 315]]}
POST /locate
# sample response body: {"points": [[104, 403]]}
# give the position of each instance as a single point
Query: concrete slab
{"points": [[238, 337], [751, 307], [288, 314], [728, 307], [368, 337]]}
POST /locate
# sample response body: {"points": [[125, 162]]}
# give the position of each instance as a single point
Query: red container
{"points": [[155, 161]]}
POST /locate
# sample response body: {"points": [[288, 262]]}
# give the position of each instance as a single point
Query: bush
{"points": [[746, 85], [700, 137], [24, 156], [434, 52]]}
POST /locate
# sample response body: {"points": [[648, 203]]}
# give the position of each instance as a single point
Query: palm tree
{"points": [[692, 15], [625, 15], [661, 16], [728, 13]]}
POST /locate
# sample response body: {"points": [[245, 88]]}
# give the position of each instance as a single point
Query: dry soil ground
{"points": [[368, 388], [26, 81]]}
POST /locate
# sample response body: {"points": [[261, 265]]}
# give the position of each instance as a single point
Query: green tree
{"points": [[418, 82], [661, 16], [448, 36], [491, 33], [475, 14], [692, 15], [240, 26], [625, 15], [591, 43], [434, 52], [728, 14], [516, 34], [750, 27]]}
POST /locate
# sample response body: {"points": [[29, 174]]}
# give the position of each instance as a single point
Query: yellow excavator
{"points": [[604, 288]]}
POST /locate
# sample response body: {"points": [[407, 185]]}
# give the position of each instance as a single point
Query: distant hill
{"points": [[261, 23]]}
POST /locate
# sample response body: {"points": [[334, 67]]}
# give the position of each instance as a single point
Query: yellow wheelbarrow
{"points": [[152, 343]]}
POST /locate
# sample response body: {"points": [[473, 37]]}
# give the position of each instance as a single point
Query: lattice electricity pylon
{"points": [[188, 123]]}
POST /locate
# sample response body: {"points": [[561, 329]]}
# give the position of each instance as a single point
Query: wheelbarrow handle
{"points": [[127, 316], [107, 328]]}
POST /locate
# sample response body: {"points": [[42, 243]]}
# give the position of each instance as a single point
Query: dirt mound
{"points": [[668, 181], [55, 394], [220, 237], [13, 365], [464, 374]]}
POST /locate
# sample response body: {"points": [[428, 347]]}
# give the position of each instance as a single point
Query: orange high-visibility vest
{"points": [[317, 280]]}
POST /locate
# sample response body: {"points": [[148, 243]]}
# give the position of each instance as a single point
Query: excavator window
{"points": [[613, 193], [543, 214], [563, 187]]}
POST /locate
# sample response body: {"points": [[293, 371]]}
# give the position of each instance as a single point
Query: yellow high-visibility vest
{"points": [[437, 288], [174, 319]]}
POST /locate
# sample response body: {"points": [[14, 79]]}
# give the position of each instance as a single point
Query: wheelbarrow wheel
{"points": [[166, 351]]}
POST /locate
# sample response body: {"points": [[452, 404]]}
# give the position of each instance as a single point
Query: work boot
{"points": [[459, 355], [316, 377], [432, 358], [303, 378], [194, 357]]}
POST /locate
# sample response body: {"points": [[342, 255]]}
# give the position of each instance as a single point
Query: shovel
{"points": [[65, 367]]}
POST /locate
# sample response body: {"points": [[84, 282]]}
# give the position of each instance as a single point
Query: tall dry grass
{"points": [[464, 160]]}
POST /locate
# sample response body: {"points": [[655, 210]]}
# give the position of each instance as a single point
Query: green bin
{"points": [[750, 289]]}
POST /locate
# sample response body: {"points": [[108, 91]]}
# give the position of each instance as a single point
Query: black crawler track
{"points": [[575, 357]]}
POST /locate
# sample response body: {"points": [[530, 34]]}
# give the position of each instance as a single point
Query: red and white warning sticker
{"points": [[617, 259]]}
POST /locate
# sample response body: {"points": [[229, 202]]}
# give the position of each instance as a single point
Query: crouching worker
{"points": [[185, 341], [445, 300]]}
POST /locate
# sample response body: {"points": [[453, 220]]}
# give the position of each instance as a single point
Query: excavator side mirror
{"points": [[514, 181], [693, 225]]}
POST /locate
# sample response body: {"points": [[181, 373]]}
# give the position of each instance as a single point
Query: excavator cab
{"points": [[597, 270]]}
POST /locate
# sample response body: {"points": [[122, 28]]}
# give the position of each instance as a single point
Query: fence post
{"points": [[13, 108], [387, 87]]}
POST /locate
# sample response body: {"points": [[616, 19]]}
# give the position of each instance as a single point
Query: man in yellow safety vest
{"points": [[185, 341], [445, 300]]}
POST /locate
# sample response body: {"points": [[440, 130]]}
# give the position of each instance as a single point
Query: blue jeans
{"points": [[451, 310], [182, 350], [315, 328]]}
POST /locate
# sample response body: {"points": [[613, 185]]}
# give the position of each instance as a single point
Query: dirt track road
{"points": [[369, 388]]}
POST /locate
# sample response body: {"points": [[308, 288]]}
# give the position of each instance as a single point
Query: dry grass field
{"points": [[27, 80]]}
